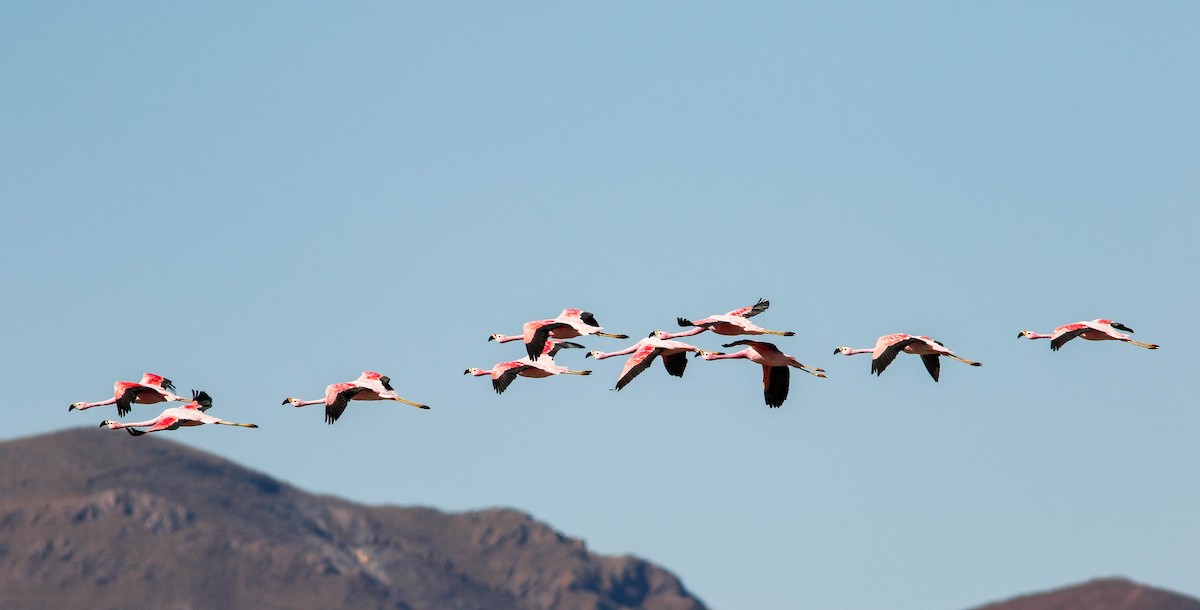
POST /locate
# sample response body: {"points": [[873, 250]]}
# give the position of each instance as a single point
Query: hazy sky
{"points": [[259, 199]]}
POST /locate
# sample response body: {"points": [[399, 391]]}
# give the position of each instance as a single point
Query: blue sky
{"points": [[258, 200]]}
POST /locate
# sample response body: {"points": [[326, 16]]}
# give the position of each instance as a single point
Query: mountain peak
{"points": [[105, 521]]}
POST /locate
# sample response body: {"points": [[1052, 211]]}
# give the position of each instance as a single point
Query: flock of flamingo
{"points": [[543, 340]]}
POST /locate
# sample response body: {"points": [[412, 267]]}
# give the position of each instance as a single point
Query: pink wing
{"points": [[753, 310]]}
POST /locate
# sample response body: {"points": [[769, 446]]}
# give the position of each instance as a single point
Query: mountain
{"points": [[92, 519], [1102, 594]]}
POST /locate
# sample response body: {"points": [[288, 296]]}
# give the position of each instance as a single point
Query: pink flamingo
{"points": [[673, 353], [1096, 330], [369, 386], [152, 388], [503, 373], [776, 374], [552, 347], [191, 414], [730, 324], [569, 324], [888, 346]]}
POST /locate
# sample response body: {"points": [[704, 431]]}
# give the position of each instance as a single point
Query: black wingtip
{"points": [[133, 432], [684, 322]]}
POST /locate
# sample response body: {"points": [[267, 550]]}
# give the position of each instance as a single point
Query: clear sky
{"points": [[259, 199]]}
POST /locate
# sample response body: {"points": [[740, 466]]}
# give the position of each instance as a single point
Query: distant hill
{"points": [[93, 519], [1102, 594]]}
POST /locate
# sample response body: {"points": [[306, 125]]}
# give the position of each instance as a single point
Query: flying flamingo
{"points": [[673, 353], [503, 373], [730, 324], [152, 388], [191, 414], [1096, 330], [369, 386], [569, 324], [776, 375], [888, 346], [552, 347]]}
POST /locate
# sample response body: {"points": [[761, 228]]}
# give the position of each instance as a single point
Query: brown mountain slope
{"points": [[1102, 594], [91, 519]]}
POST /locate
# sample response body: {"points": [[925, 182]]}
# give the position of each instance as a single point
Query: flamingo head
{"points": [[112, 425], [842, 350], [289, 401], [75, 405], [594, 354], [476, 372], [660, 334], [707, 355], [1025, 334]]}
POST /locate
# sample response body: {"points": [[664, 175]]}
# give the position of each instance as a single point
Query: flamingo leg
{"points": [[611, 336], [1145, 345], [409, 402], [230, 423], [964, 360]]}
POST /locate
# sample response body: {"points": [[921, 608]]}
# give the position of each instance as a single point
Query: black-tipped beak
{"points": [[103, 423], [588, 355], [837, 351], [651, 334], [491, 338], [467, 372], [70, 407], [285, 401]]}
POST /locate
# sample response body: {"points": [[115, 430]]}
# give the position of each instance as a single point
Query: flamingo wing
{"points": [[588, 318], [163, 423], [1069, 331], [535, 341], [638, 362], [387, 383], [775, 385], [505, 373], [933, 364], [759, 345], [675, 363], [753, 310], [891, 346], [127, 394], [563, 345], [337, 397]]}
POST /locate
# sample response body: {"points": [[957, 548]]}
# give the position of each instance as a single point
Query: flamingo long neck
{"points": [[506, 338], [305, 403], [852, 351], [686, 333], [742, 354], [603, 355], [134, 424], [1033, 335], [88, 405]]}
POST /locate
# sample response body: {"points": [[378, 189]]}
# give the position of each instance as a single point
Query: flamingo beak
{"points": [[491, 337], [467, 372]]}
